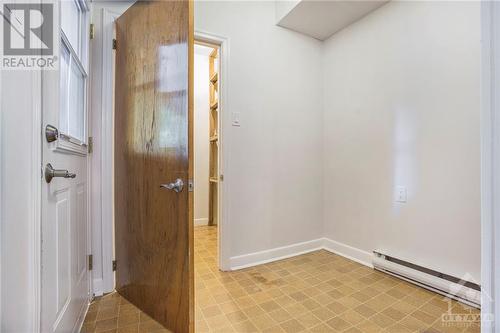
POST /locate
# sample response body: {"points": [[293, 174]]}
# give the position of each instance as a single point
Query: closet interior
{"points": [[214, 137]]}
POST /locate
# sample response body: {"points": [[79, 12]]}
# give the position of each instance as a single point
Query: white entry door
{"points": [[65, 228]]}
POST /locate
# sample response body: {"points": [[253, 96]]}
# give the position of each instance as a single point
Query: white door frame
{"points": [[107, 132], [102, 160], [223, 227], [490, 165]]}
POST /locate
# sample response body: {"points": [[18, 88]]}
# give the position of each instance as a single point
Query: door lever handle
{"points": [[50, 173], [177, 186]]}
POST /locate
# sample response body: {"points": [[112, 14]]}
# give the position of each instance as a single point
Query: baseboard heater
{"points": [[464, 291]]}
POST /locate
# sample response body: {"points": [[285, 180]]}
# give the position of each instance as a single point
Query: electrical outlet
{"points": [[401, 194]]}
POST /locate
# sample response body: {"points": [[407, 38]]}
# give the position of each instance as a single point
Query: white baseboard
{"points": [[202, 221], [98, 287], [349, 252], [284, 252], [278, 253]]}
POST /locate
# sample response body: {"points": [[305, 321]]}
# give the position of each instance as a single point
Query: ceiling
{"points": [[321, 19]]}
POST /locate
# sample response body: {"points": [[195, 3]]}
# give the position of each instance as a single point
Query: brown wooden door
{"points": [[153, 136]]}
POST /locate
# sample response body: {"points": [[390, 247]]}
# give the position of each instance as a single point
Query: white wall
{"points": [[201, 133], [274, 82], [401, 103], [20, 156]]}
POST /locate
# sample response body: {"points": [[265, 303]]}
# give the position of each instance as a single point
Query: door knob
{"points": [[177, 186], [50, 173]]}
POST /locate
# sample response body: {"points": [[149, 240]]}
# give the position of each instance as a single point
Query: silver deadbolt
{"points": [[51, 133], [176, 186], [50, 173]]}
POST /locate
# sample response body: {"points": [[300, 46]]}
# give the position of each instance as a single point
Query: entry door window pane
{"points": [[64, 81], [76, 103], [70, 23], [73, 76]]}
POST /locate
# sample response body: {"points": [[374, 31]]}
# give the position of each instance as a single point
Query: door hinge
{"points": [[91, 145], [91, 262], [221, 178], [92, 31], [114, 44], [114, 265]]}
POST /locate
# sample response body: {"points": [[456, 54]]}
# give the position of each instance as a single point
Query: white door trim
{"points": [[107, 176], [103, 228], [224, 233], [490, 165]]}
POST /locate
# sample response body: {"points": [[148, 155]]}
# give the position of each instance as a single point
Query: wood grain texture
{"points": [[153, 139]]}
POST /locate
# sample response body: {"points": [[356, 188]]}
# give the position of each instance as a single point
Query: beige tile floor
{"points": [[113, 314], [316, 292]]}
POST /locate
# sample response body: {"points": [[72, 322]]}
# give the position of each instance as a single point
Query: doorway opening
{"points": [[207, 157]]}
